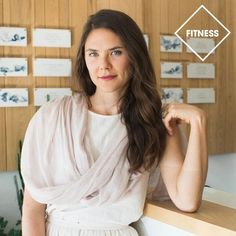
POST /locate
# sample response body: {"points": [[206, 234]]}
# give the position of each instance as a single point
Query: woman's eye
{"points": [[116, 52], [93, 54]]}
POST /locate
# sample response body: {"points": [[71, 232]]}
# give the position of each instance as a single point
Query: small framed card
{"points": [[10, 66], [170, 43], [172, 95], [201, 45], [14, 97], [44, 95], [201, 71], [13, 36], [201, 95], [171, 70], [60, 38], [45, 67]]}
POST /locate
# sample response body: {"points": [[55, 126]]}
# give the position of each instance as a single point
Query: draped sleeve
{"points": [[38, 138], [56, 166], [47, 160]]}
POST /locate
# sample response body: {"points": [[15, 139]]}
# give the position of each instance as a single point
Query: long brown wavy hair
{"points": [[140, 104]]}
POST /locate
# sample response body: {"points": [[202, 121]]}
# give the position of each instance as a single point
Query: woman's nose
{"points": [[104, 63]]}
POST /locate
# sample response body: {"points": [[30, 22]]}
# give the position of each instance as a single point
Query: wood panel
{"points": [[230, 74], [16, 119], [3, 153], [154, 17]]}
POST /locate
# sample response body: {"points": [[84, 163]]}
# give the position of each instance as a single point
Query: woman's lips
{"points": [[108, 77]]}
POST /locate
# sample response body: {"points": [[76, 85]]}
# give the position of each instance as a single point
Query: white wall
{"points": [[222, 172], [8, 199]]}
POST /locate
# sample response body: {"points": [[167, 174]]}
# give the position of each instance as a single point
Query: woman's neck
{"points": [[105, 104]]}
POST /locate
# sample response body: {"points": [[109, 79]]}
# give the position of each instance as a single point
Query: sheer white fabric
{"points": [[88, 191]]}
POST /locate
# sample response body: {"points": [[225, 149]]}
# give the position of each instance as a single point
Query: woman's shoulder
{"points": [[59, 105]]}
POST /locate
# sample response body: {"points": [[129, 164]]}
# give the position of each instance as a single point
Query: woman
{"points": [[87, 159]]}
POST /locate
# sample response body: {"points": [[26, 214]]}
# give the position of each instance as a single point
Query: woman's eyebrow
{"points": [[90, 49], [116, 47], [110, 49]]}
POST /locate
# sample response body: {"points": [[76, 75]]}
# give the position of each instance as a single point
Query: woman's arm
{"points": [[33, 219], [185, 173]]}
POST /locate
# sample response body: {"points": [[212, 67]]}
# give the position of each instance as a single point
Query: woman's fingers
{"points": [[175, 113]]}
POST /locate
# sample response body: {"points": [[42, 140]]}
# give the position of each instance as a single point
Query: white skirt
{"points": [[64, 228]]}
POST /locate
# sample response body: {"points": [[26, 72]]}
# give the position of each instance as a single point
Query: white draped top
{"points": [[75, 161]]}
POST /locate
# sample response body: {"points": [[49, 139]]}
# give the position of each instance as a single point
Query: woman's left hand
{"points": [[175, 113]]}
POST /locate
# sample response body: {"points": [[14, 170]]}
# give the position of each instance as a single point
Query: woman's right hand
{"points": [[176, 113]]}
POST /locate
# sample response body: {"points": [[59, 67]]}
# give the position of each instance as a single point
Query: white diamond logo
{"points": [[202, 7]]}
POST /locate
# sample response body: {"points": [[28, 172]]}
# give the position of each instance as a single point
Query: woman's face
{"points": [[107, 61]]}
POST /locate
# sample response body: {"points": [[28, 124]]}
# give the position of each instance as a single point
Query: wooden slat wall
{"points": [[154, 17], [3, 154]]}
